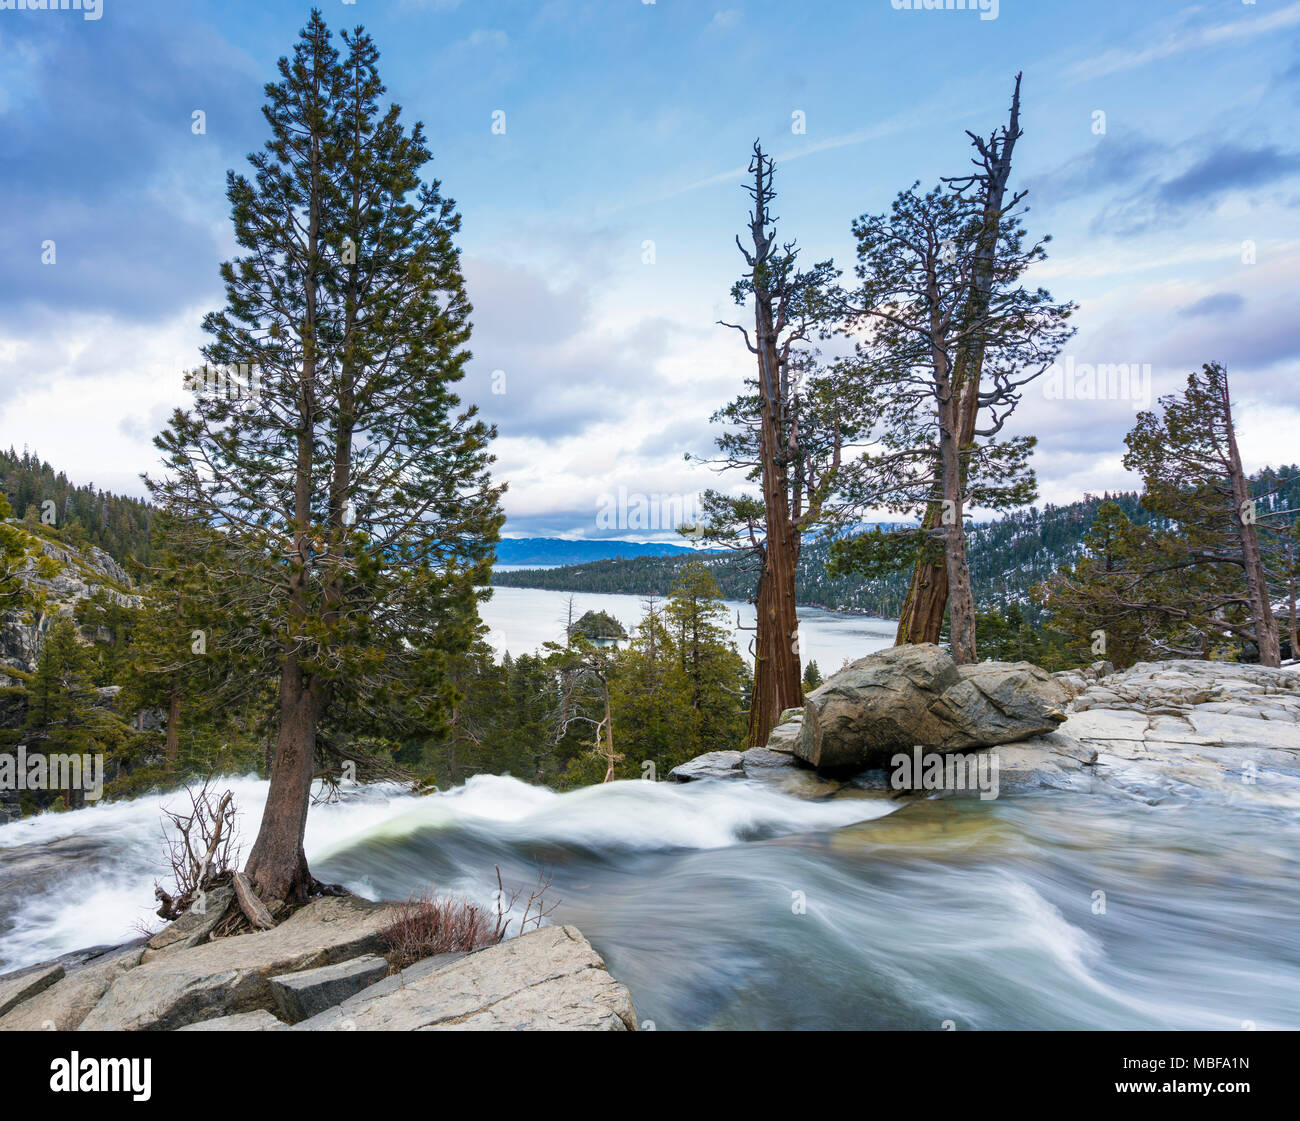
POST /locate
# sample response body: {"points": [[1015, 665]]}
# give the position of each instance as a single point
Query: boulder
{"points": [[67, 1002], [712, 764], [233, 975], [774, 766], [916, 695], [299, 996], [547, 980], [194, 926], [786, 734]]}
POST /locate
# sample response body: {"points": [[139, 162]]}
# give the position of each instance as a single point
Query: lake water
{"points": [[520, 620]]}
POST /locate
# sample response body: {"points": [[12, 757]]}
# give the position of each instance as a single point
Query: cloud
{"points": [[1110, 161], [1219, 303], [1228, 167], [130, 196], [1214, 174], [1186, 39]]}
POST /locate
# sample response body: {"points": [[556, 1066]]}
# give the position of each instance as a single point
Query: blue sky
{"points": [[628, 123]]}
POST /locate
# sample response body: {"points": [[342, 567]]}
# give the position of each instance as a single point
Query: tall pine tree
{"points": [[350, 485]]}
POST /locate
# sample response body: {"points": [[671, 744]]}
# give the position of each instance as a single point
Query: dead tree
{"points": [[789, 307], [921, 617]]}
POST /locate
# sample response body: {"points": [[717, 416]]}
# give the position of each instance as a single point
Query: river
{"points": [[728, 905]]}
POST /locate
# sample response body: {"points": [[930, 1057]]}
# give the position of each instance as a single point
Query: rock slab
{"points": [[193, 927], [299, 996], [233, 975], [547, 980], [261, 1020], [15, 988], [65, 1004]]}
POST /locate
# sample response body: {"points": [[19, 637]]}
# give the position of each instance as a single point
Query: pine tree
{"points": [[1191, 468], [13, 559], [656, 728], [63, 713], [712, 669], [350, 486], [919, 265], [921, 616], [1126, 598]]}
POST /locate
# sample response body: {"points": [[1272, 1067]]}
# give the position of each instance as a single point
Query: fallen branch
{"points": [[253, 908]]}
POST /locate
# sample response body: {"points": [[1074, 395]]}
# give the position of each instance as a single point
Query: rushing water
{"points": [[727, 905], [520, 620]]}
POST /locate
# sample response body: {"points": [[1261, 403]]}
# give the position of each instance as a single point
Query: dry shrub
{"points": [[426, 925], [200, 847]]}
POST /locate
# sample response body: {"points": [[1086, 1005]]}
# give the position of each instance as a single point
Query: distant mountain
{"points": [[1007, 558], [558, 551]]}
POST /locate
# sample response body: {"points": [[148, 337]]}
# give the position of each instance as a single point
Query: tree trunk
{"points": [[1290, 587], [1266, 634], [961, 601], [277, 864], [777, 681], [921, 619], [171, 745]]}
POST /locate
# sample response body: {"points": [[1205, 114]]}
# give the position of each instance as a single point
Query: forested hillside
{"points": [[1007, 556], [83, 514]]}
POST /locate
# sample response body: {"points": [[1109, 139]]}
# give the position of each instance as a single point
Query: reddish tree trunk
{"points": [[277, 864], [777, 681]]}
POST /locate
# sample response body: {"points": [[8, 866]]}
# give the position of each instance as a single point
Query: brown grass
{"points": [[426, 925]]}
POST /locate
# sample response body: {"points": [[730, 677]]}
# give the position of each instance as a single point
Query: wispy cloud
{"points": [[1186, 39]]}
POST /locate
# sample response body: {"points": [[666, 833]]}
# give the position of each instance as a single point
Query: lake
{"points": [[520, 620]]}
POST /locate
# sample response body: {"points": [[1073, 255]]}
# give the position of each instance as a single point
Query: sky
{"points": [[1159, 152]]}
